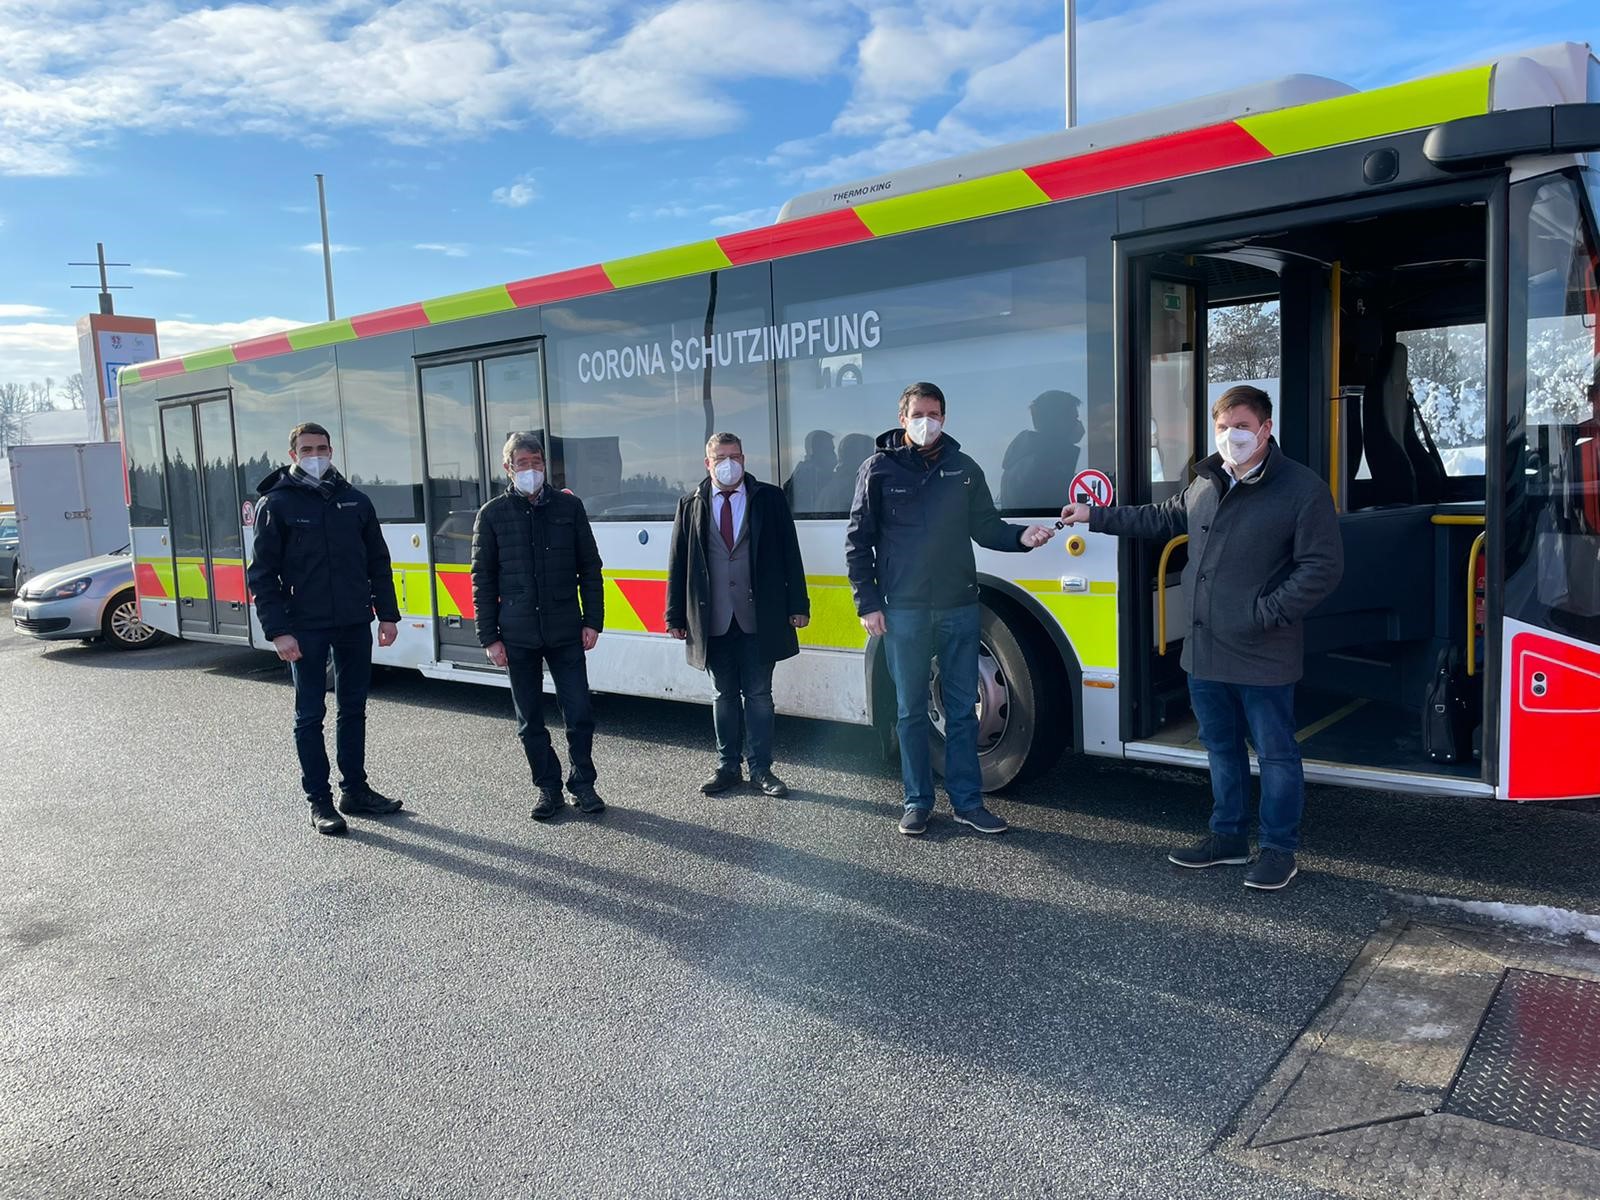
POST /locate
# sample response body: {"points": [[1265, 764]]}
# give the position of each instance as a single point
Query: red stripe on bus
{"points": [[795, 237], [160, 370], [390, 320], [147, 582], [563, 285], [1166, 157], [459, 585], [648, 599], [227, 583], [262, 347]]}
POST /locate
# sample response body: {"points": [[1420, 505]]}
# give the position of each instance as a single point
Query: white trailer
{"points": [[70, 503]]}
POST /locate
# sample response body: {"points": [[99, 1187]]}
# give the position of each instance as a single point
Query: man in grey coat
{"points": [[1264, 549]]}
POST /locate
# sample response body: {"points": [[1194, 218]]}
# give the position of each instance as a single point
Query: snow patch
{"points": [[1563, 922]]}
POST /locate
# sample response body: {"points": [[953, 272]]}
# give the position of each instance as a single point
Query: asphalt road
{"points": [[684, 997]]}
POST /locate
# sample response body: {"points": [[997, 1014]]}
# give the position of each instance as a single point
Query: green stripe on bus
{"points": [[326, 334], [129, 375], [1372, 114], [666, 264], [476, 303], [953, 202], [222, 357]]}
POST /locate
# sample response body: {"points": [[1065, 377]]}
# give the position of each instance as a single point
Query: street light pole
{"points": [[327, 249], [1072, 62]]}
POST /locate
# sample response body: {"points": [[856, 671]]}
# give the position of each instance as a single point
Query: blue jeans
{"points": [[742, 711], [351, 647], [911, 639], [1226, 711]]}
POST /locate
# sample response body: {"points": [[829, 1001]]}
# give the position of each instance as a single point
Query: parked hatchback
{"points": [[89, 599], [8, 551]]}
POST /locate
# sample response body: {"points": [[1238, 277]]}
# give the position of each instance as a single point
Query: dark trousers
{"points": [[1226, 712], [570, 672], [742, 710], [351, 647]]}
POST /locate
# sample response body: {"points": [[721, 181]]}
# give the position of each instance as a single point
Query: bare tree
{"points": [[74, 391], [1243, 342], [16, 402]]}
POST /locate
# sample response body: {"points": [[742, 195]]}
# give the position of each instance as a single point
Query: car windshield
{"points": [[8, 527]]}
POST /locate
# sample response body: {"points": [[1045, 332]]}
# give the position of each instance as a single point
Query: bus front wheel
{"points": [[1019, 706]]}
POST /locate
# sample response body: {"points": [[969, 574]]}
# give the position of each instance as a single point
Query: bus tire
{"points": [[1020, 707]]}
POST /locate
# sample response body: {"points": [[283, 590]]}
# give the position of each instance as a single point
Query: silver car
{"points": [[86, 600]]}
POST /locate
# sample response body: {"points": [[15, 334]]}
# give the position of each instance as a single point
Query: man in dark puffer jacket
{"points": [[318, 572], [537, 590]]}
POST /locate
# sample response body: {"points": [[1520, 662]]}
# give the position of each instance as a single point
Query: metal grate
{"points": [[1535, 1063]]}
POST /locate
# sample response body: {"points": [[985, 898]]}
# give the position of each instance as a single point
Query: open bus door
{"points": [[1550, 657], [1166, 437]]}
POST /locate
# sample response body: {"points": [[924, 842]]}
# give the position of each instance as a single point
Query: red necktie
{"points": [[727, 519]]}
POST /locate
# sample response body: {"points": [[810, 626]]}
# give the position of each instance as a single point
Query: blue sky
{"points": [[469, 142]]}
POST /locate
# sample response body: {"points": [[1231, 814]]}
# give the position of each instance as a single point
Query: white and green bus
{"points": [[1417, 265]]}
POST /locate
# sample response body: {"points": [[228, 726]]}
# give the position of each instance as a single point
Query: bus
{"points": [[1422, 258]]}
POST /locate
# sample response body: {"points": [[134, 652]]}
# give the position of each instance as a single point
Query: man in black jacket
{"points": [[919, 505], [736, 593], [1264, 549], [319, 571], [539, 597]]}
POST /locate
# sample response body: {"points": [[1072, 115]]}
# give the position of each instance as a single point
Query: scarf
{"points": [[324, 487]]}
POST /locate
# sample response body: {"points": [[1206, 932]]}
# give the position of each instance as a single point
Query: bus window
{"points": [[382, 450], [1244, 346], [996, 312], [640, 378], [1173, 452], [270, 398], [1553, 525], [1448, 369], [141, 435]]}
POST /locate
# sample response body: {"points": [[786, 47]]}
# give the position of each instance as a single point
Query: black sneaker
{"points": [[587, 799], [983, 820], [548, 805], [1214, 850], [769, 784], [914, 821], [1271, 871], [324, 817], [722, 781], [366, 803]]}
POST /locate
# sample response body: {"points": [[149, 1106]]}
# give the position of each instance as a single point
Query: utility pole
{"points": [[1072, 62], [106, 288], [327, 248]]}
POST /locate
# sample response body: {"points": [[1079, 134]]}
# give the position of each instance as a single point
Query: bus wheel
{"points": [[1019, 708], [121, 626]]}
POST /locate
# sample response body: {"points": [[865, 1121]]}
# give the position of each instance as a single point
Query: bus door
{"points": [[206, 531], [1167, 435], [471, 402]]}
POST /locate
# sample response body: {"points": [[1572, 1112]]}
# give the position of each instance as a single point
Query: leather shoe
{"points": [[325, 818], [722, 781], [366, 803], [587, 799], [769, 784]]}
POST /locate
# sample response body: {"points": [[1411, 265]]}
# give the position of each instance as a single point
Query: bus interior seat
{"points": [[1385, 414], [1386, 594]]}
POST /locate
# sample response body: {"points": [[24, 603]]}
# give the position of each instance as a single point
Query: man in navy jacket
{"points": [[919, 505], [319, 572]]}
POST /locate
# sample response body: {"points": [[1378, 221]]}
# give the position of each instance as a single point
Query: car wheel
{"points": [[121, 625], [1019, 704]]}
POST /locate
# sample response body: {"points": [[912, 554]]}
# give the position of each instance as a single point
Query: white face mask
{"points": [[528, 482], [315, 465], [1236, 445], [922, 430], [728, 472]]}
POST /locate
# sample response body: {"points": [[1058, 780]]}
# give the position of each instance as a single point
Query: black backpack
{"points": [[1448, 713]]}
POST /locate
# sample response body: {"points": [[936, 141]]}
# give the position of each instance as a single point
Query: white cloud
{"points": [[749, 219], [25, 310], [333, 248], [157, 272], [516, 195], [448, 249]]}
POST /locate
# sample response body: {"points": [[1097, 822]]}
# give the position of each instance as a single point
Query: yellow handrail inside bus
{"points": [[1472, 602], [1161, 591], [1336, 401], [1457, 518]]}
